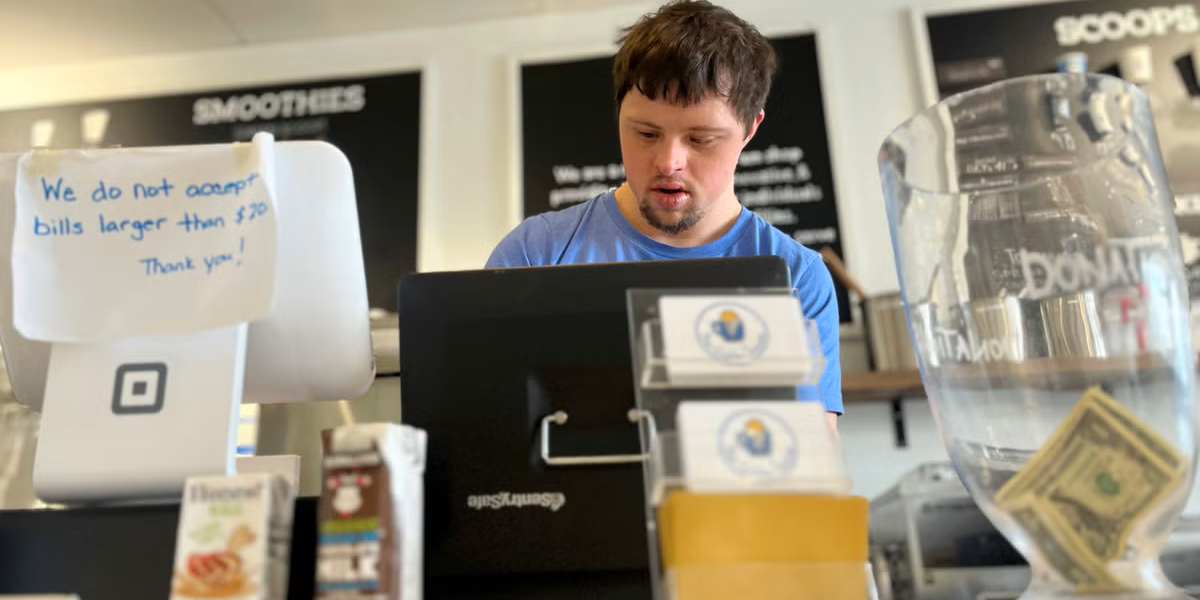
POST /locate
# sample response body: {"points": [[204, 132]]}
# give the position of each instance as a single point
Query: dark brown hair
{"points": [[691, 48]]}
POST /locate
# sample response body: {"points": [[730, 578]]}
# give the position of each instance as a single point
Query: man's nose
{"points": [[672, 158]]}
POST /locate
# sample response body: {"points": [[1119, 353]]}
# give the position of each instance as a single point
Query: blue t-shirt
{"points": [[596, 231]]}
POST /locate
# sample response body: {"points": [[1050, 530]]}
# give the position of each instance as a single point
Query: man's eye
{"points": [[648, 134], [702, 141]]}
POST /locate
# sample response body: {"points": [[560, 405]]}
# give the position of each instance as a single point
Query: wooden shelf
{"points": [[1047, 373], [877, 386], [1055, 373]]}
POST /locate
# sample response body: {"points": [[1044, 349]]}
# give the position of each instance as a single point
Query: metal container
{"points": [[1073, 327], [889, 347], [888, 342], [1006, 329], [930, 541]]}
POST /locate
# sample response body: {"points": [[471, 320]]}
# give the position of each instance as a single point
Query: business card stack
{"points": [[763, 511]]}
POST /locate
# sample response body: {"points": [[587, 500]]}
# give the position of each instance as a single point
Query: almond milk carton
{"points": [[234, 538]]}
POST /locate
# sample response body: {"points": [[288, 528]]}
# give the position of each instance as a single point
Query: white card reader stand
{"points": [[129, 420], [134, 418]]}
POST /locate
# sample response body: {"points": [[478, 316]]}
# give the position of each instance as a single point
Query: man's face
{"points": [[679, 161]]}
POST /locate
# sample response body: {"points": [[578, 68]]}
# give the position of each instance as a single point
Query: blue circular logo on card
{"points": [[757, 443], [732, 333]]}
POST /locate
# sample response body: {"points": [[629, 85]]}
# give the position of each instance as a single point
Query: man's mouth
{"points": [[670, 195]]}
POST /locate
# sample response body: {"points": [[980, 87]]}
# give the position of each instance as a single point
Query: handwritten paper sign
{"points": [[119, 243]]}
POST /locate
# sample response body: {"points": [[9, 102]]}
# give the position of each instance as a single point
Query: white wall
{"points": [[467, 204], [868, 67]]}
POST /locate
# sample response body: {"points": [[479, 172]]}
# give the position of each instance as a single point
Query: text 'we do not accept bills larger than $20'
{"points": [[120, 243]]}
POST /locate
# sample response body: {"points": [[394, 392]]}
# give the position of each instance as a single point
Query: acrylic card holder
{"points": [[744, 479]]}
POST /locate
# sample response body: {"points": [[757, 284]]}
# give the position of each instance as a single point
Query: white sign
{"points": [[1113, 26], [773, 446], [760, 340], [120, 243]]}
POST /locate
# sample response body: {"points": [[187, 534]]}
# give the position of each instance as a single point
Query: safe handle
{"points": [[560, 418]]}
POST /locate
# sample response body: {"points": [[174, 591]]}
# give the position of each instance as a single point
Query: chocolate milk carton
{"points": [[370, 531]]}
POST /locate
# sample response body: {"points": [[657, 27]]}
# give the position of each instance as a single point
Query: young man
{"points": [[691, 82]]}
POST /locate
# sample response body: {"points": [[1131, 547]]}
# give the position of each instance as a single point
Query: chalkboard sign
{"points": [[570, 150], [1153, 44], [375, 121]]}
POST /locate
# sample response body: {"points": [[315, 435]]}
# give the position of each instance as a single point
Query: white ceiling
{"points": [[45, 32]]}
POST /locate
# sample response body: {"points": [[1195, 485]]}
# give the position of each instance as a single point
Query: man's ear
{"points": [[758, 119]]}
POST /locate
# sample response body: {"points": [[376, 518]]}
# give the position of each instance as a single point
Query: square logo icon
{"points": [[139, 388]]}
